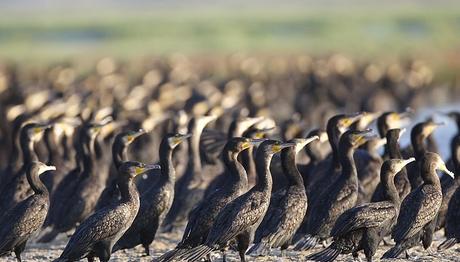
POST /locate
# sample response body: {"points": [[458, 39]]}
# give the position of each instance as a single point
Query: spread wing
{"points": [[364, 216], [418, 209]]}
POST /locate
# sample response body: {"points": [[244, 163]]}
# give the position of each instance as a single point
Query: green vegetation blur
{"points": [[426, 31]]}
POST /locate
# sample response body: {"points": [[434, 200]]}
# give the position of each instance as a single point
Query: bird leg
{"points": [[147, 250]]}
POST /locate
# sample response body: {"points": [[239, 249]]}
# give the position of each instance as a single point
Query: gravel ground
{"points": [[164, 242]]}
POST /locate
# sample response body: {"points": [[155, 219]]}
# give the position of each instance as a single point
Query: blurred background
{"points": [[53, 30]]}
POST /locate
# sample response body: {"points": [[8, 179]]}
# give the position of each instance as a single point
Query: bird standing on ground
{"points": [[155, 202], [417, 219], [96, 235], [363, 227], [20, 222], [287, 205], [241, 217]]}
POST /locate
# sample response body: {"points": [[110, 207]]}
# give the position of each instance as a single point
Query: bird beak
{"points": [[349, 120], [182, 138], [403, 130], [261, 133], [429, 129], [45, 168], [277, 148], [146, 168], [443, 168], [133, 137], [364, 136], [257, 141], [406, 162], [303, 142]]}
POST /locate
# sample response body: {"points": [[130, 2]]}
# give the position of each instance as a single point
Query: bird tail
{"points": [[259, 249], [328, 254], [195, 254], [48, 237], [448, 243], [171, 255], [306, 243], [394, 252]]}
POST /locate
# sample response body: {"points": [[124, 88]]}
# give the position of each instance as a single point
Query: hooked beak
{"points": [[45, 168], [146, 168], [137, 134], [261, 132], [305, 141], [443, 168], [431, 127]]}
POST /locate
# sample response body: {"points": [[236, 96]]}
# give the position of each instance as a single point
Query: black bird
{"points": [[68, 184], [191, 186], [363, 227], [340, 196], [119, 155], [155, 202], [80, 202], [448, 185], [418, 136], [452, 216], [96, 235], [204, 214], [369, 162], [417, 219], [287, 206], [401, 180], [20, 222], [17, 189], [315, 155], [328, 170], [241, 217]]}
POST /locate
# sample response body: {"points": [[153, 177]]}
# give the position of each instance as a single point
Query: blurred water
{"points": [[443, 134]]}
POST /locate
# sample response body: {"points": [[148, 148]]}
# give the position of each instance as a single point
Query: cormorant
{"points": [[368, 163], [17, 189], [97, 234], [340, 196], [417, 219], [287, 206], [448, 185], [20, 222], [401, 180], [364, 226], [190, 187], [240, 218], [418, 135], [204, 214], [315, 155], [155, 202], [119, 155], [452, 224], [79, 203]]}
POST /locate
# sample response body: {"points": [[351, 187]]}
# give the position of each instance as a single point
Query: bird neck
{"points": [[348, 162], [334, 136], [392, 147], [89, 156], [168, 173], [194, 153], [28, 153], [264, 179], [289, 166], [313, 152], [455, 154], [247, 159], [390, 191], [429, 175], [418, 144], [119, 154], [35, 183], [235, 169], [128, 191]]}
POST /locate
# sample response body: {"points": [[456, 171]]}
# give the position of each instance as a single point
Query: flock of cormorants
{"points": [[235, 178]]}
